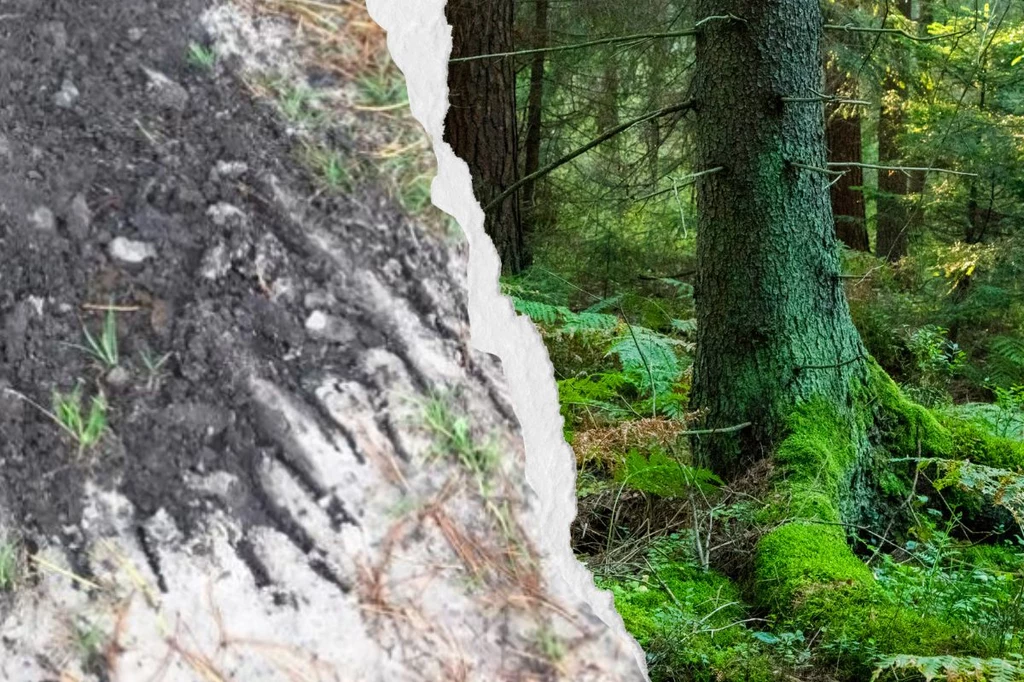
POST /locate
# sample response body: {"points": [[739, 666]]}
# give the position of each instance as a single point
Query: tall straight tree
{"points": [[773, 324], [481, 121], [893, 186], [843, 136], [534, 116]]}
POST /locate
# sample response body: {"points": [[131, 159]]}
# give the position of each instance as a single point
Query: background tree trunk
{"points": [[534, 122], [893, 186], [773, 324], [481, 121], [843, 137]]}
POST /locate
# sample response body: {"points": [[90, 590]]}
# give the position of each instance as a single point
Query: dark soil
{"points": [[141, 157]]}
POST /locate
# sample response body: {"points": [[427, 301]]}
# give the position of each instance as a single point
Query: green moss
{"points": [[906, 429], [798, 558], [973, 440], [687, 620]]}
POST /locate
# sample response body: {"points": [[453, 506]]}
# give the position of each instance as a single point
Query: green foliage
{"points": [[689, 621], [86, 429], [454, 439], [955, 668], [105, 348], [9, 565], [664, 476], [201, 56]]}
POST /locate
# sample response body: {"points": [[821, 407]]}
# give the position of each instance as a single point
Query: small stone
{"points": [[167, 93], [317, 321], [118, 377], [135, 34], [222, 212], [43, 219], [328, 328], [67, 95], [131, 251], [216, 262], [57, 33], [228, 170], [79, 217]]}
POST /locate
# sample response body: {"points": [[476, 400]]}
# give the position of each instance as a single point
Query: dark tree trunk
{"points": [[842, 133], [774, 327], [481, 121], [893, 186], [534, 111]]}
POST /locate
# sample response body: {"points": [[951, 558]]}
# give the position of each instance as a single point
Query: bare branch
{"points": [[685, 181], [603, 137], [816, 169], [853, 28], [903, 169], [602, 41]]}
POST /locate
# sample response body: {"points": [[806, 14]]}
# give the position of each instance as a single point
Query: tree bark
{"points": [[481, 121], [842, 134], [893, 217], [534, 119], [774, 327]]}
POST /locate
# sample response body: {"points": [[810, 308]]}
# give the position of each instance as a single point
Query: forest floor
{"points": [[682, 551], [239, 415]]}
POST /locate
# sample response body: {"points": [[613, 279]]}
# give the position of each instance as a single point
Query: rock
{"points": [[228, 170], [216, 262], [167, 93], [57, 33], [118, 377], [67, 95], [329, 328], [79, 217], [223, 212], [43, 219], [131, 251], [135, 34]]}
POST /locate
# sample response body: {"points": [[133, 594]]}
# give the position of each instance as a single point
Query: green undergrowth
{"points": [[805, 570], [693, 624]]}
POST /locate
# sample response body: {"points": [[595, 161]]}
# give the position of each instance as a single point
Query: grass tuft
{"points": [[104, 349], [86, 428]]}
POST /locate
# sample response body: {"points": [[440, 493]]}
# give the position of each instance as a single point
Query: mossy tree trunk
{"points": [[774, 327], [481, 122]]}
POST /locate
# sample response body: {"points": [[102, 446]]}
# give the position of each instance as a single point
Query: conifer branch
{"points": [[603, 137], [853, 28], [601, 41], [902, 169]]}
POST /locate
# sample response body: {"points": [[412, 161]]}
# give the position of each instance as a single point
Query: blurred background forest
{"points": [[599, 250]]}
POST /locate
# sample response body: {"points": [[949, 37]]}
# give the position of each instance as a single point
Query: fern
{"points": [[663, 476], [1005, 364], [649, 359], [563, 319], [955, 668], [594, 392]]}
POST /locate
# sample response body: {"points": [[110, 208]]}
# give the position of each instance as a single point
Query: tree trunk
{"points": [[842, 134], [774, 328], [893, 186], [534, 116], [481, 121]]}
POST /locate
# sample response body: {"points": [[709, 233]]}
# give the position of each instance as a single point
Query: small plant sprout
{"points": [[201, 56], [86, 429], [154, 366], [104, 349], [455, 439], [8, 565]]}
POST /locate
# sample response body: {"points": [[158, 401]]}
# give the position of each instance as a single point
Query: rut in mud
{"points": [[266, 475]]}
